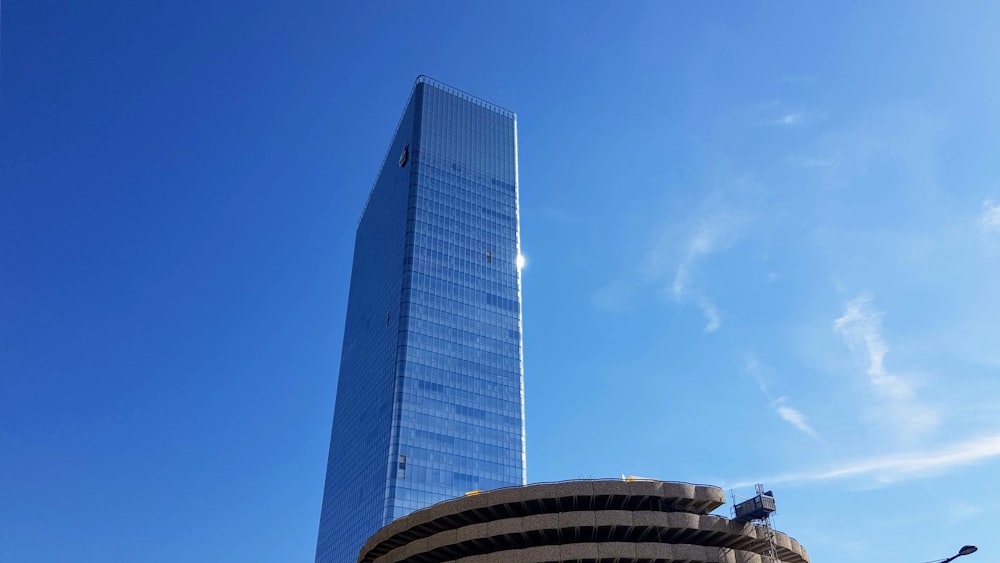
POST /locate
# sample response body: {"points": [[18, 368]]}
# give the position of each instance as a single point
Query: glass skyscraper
{"points": [[430, 396]]}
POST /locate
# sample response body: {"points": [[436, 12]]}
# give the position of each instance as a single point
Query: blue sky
{"points": [[762, 244]]}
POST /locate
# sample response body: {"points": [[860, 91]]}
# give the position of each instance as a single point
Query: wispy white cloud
{"points": [[763, 376], [899, 467], [675, 256], [990, 219], [791, 118], [712, 318], [713, 234], [794, 417], [777, 113], [860, 327]]}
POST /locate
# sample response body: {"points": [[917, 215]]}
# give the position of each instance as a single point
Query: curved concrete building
{"points": [[595, 521]]}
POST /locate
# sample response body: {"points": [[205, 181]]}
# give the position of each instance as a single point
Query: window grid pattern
{"points": [[430, 401], [460, 424]]}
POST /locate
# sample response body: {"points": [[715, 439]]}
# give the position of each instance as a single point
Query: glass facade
{"points": [[430, 396]]}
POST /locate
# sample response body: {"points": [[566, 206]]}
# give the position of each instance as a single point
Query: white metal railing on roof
{"points": [[424, 79]]}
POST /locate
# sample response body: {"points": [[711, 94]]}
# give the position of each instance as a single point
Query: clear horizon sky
{"points": [[762, 244]]}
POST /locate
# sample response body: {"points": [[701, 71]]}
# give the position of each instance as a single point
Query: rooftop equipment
{"points": [[756, 508]]}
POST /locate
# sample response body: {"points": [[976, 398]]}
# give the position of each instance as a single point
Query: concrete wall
{"points": [[575, 520]]}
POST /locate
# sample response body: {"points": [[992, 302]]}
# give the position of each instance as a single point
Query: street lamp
{"points": [[966, 550]]}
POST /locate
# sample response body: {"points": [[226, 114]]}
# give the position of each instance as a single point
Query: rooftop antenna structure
{"points": [[757, 511]]}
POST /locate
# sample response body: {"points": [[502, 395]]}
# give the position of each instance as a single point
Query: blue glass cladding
{"points": [[430, 396], [460, 425]]}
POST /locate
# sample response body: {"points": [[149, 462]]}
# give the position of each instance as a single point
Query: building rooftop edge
{"points": [[697, 500], [424, 79]]}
